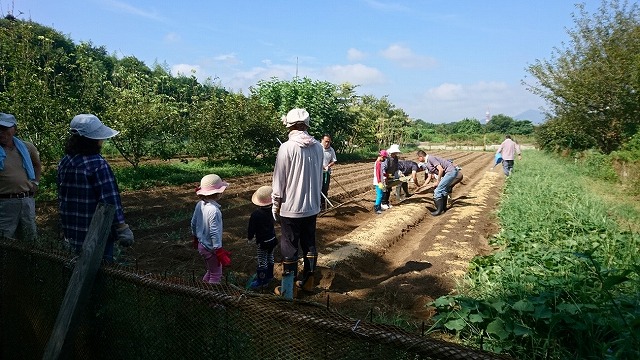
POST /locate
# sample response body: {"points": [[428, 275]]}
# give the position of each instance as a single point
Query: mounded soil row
{"points": [[392, 264]]}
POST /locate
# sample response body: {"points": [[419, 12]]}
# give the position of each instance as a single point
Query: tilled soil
{"points": [[389, 265]]}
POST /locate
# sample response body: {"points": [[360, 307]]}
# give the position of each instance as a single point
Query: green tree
{"points": [[468, 127], [500, 124], [35, 83], [234, 127], [147, 121], [592, 85], [327, 103]]}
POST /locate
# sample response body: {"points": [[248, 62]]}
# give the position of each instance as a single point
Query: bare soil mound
{"points": [[390, 264]]}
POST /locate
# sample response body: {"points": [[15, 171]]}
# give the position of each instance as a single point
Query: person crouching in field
{"points": [[446, 171], [378, 180], [206, 226], [262, 229]]}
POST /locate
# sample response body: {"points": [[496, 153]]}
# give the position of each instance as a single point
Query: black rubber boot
{"points": [[441, 204], [308, 277], [269, 276], [405, 188]]}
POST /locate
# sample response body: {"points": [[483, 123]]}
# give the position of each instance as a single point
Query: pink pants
{"points": [[214, 268]]}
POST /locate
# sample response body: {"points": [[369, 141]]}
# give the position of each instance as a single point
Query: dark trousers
{"points": [[297, 232], [326, 179], [385, 196]]}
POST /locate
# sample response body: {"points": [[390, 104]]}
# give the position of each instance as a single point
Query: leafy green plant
{"points": [[562, 284]]}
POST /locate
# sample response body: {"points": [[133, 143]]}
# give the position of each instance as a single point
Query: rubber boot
{"points": [[440, 206], [289, 272], [269, 275], [308, 282], [260, 279], [405, 188]]}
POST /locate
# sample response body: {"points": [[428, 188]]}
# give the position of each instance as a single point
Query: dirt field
{"points": [[391, 264]]}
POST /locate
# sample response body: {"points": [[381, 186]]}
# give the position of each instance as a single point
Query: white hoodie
{"points": [[297, 176]]}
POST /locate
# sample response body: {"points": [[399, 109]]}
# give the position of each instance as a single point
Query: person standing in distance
{"points": [[508, 149], [297, 186], [86, 179], [327, 163], [20, 170]]}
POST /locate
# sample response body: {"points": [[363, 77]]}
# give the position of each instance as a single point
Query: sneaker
{"points": [[378, 211], [385, 206]]}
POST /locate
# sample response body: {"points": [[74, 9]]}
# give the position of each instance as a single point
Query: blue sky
{"points": [[440, 61]]}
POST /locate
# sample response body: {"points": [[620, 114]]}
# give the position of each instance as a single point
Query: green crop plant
{"points": [[565, 280]]}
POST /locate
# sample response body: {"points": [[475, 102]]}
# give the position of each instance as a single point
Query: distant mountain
{"points": [[535, 116]]}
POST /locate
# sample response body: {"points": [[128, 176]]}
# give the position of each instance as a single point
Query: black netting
{"points": [[133, 315]]}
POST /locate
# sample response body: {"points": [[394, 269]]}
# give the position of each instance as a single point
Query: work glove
{"points": [[275, 210], [224, 256], [381, 185], [124, 235]]}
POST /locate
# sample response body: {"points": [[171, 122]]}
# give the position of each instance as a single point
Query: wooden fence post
{"points": [[81, 281]]}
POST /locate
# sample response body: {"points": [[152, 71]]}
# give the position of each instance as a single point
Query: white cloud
{"points": [[187, 70], [229, 59], [355, 55], [405, 57], [132, 10], [242, 80], [386, 6], [172, 37], [453, 102], [356, 74]]}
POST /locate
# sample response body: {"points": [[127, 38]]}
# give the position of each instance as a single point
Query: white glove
{"points": [[275, 210], [124, 236]]}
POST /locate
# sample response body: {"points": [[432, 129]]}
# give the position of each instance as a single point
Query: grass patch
{"points": [[565, 283]]}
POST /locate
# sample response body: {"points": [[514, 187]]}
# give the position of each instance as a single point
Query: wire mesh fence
{"points": [[136, 315]]}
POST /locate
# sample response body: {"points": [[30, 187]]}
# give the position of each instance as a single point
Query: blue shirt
{"points": [[83, 182]]}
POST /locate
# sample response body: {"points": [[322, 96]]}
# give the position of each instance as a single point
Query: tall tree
{"points": [[593, 84]]}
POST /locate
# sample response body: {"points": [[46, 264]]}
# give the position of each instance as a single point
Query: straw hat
{"points": [[262, 196], [211, 184]]}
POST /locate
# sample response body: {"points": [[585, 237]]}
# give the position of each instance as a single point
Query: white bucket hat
{"points": [[89, 126], [211, 184], [7, 120], [262, 196], [296, 116], [394, 149]]}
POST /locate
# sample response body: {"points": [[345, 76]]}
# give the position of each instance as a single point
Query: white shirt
{"points": [[206, 224]]}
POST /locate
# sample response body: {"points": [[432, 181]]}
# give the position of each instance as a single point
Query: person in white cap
{"points": [[86, 179], [20, 170], [297, 189]]}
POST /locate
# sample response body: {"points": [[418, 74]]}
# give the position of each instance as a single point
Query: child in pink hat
{"points": [[206, 226], [378, 180]]}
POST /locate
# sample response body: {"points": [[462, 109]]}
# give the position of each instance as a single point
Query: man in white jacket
{"points": [[297, 187]]}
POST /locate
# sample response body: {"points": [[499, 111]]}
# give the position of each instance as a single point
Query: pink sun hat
{"points": [[211, 184]]}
